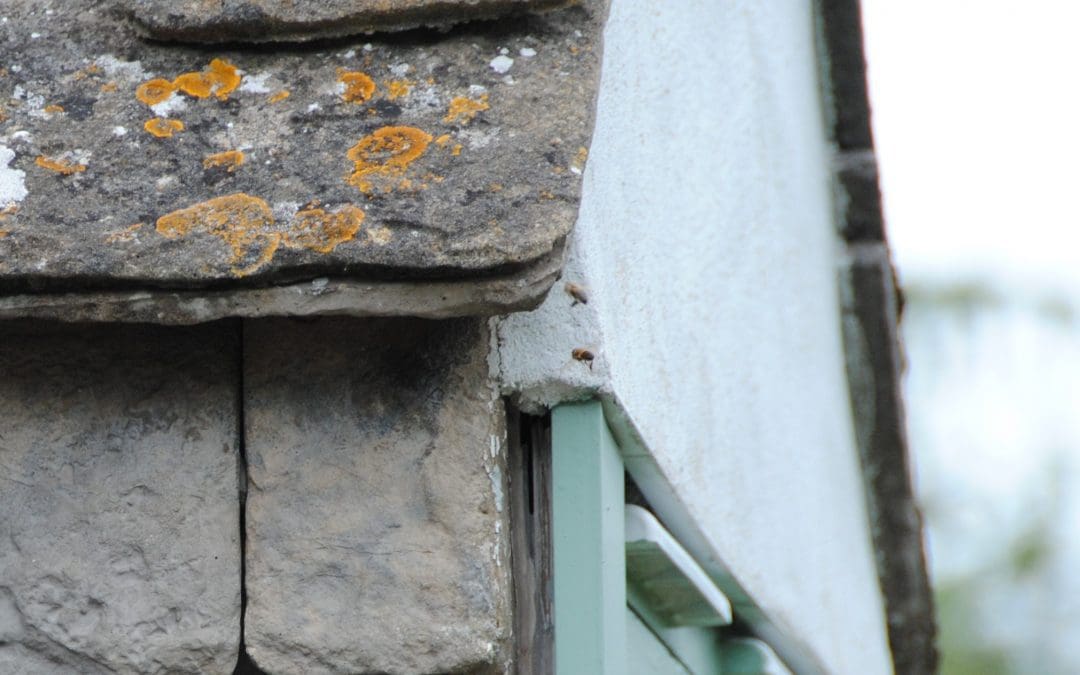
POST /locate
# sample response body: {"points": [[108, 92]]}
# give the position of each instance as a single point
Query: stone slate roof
{"points": [[139, 168]]}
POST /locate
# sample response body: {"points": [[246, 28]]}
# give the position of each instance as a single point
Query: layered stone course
{"points": [[377, 531], [119, 509]]}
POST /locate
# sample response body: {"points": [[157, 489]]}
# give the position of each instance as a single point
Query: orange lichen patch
{"points": [[163, 128], [465, 109], [456, 151], [442, 140], [280, 96], [395, 89], [109, 87], [247, 227], [317, 230], [53, 108], [225, 78], [231, 159], [155, 91], [241, 221], [358, 86], [198, 85], [579, 160], [124, 235], [4, 233], [89, 71], [9, 210], [220, 79], [61, 166], [386, 152]]}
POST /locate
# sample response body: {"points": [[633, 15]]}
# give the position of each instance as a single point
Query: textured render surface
{"points": [[132, 165], [278, 20], [377, 532], [706, 239], [119, 509]]}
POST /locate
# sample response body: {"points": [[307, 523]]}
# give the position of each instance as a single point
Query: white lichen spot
{"points": [[78, 156], [501, 64], [22, 135], [425, 97], [114, 67], [119, 132], [313, 107], [284, 211], [495, 476], [400, 69], [256, 84], [35, 103], [367, 47], [12, 181], [504, 51], [15, 68], [477, 90], [166, 183], [527, 52], [475, 139], [35, 36], [166, 108], [349, 54]]}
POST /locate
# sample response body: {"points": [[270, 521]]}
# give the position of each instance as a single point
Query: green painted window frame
{"points": [[594, 607], [589, 564]]}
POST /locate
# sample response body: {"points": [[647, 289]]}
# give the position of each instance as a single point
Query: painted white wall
{"points": [[706, 243]]}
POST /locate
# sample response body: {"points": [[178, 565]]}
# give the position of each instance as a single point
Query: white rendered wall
{"points": [[707, 246]]}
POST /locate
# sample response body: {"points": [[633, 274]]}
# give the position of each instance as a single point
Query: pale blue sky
{"points": [[977, 124]]}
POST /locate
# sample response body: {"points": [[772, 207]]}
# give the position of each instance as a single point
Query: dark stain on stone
{"points": [[387, 109], [78, 107], [471, 196]]}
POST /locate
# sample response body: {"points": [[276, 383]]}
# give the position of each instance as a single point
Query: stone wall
{"points": [[370, 454]]}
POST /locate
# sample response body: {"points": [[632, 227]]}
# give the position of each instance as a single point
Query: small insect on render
{"points": [[577, 293], [584, 355]]}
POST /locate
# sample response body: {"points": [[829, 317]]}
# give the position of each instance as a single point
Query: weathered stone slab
{"points": [[377, 533], [269, 20], [119, 510], [318, 297], [128, 165]]}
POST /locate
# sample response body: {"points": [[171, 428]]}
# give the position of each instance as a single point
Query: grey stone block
{"points": [[376, 529], [119, 510]]}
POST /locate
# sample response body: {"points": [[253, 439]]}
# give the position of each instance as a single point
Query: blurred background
{"points": [[976, 108]]}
